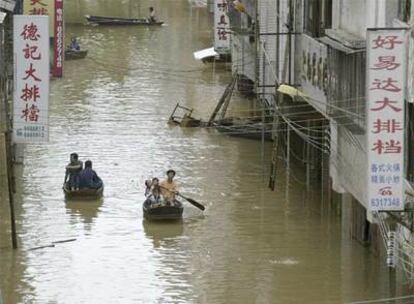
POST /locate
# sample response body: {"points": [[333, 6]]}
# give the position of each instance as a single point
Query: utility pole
{"points": [[6, 165]]}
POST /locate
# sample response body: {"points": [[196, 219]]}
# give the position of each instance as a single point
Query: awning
{"points": [[339, 46], [8, 5], [291, 91], [210, 52]]}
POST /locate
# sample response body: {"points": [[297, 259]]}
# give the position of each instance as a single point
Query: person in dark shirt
{"points": [[74, 45], [152, 18], [89, 178]]}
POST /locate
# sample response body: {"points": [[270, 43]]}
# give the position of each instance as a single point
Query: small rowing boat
{"points": [[74, 54], [120, 21], [83, 193], [162, 211]]}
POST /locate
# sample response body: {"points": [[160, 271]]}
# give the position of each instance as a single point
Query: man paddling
{"points": [[169, 188]]}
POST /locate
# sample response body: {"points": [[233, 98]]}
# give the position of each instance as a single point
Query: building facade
{"points": [[317, 52]]}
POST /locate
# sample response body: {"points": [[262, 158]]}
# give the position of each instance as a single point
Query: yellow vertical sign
{"points": [[41, 7]]}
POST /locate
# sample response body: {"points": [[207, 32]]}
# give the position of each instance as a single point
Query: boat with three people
{"points": [[162, 210]]}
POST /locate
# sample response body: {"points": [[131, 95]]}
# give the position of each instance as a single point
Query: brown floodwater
{"points": [[250, 245]]}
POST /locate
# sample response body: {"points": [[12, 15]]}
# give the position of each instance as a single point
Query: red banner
{"points": [[58, 45]]}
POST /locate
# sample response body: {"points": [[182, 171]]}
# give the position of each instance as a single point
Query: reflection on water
{"points": [[163, 233], [251, 245], [84, 212]]}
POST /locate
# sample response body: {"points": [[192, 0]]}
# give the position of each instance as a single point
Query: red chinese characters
{"points": [[58, 43], [386, 42], [387, 61], [388, 126], [31, 91], [222, 24], [385, 117], [387, 147], [30, 32], [31, 52], [38, 7]]}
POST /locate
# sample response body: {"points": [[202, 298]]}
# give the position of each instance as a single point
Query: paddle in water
{"points": [[190, 200], [193, 202]]}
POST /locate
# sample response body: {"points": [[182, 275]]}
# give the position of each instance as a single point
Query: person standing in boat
{"points": [[151, 18], [169, 188], [74, 45], [73, 169], [89, 178]]}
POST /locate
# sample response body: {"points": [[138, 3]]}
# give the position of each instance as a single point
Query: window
{"points": [[317, 17], [404, 10]]}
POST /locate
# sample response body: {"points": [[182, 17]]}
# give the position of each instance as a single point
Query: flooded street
{"points": [[250, 245]]}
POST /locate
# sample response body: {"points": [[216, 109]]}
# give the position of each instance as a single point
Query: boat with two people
{"points": [[81, 183]]}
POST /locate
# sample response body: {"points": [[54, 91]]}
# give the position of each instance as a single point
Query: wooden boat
{"points": [[163, 212], [73, 54], [245, 128], [84, 193], [120, 21]]}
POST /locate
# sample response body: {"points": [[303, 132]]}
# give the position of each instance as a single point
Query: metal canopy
{"points": [[210, 52], [339, 46]]}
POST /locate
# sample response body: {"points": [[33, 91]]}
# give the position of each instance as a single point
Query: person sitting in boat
{"points": [[73, 170], [89, 178], [153, 191], [151, 18], [74, 45], [169, 188]]}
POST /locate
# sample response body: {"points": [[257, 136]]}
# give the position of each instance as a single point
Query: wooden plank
{"points": [[223, 98]]}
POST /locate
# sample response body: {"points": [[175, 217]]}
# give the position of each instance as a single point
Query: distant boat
{"points": [[74, 54], [120, 21]]}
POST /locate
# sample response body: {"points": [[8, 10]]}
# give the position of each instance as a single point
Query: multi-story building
{"points": [[307, 59]]}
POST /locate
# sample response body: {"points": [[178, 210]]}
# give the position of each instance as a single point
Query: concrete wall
{"points": [[349, 158], [355, 16], [243, 48], [268, 67]]}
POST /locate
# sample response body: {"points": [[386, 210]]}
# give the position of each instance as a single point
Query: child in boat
{"points": [[153, 191]]}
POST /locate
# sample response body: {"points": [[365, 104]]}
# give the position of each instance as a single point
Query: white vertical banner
{"points": [[31, 85], [221, 27], [386, 83]]}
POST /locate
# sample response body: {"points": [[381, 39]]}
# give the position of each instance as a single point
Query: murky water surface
{"points": [[249, 246]]}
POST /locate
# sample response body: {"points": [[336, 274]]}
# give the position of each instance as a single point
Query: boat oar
{"points": [[190, 200], [193, 202]]}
